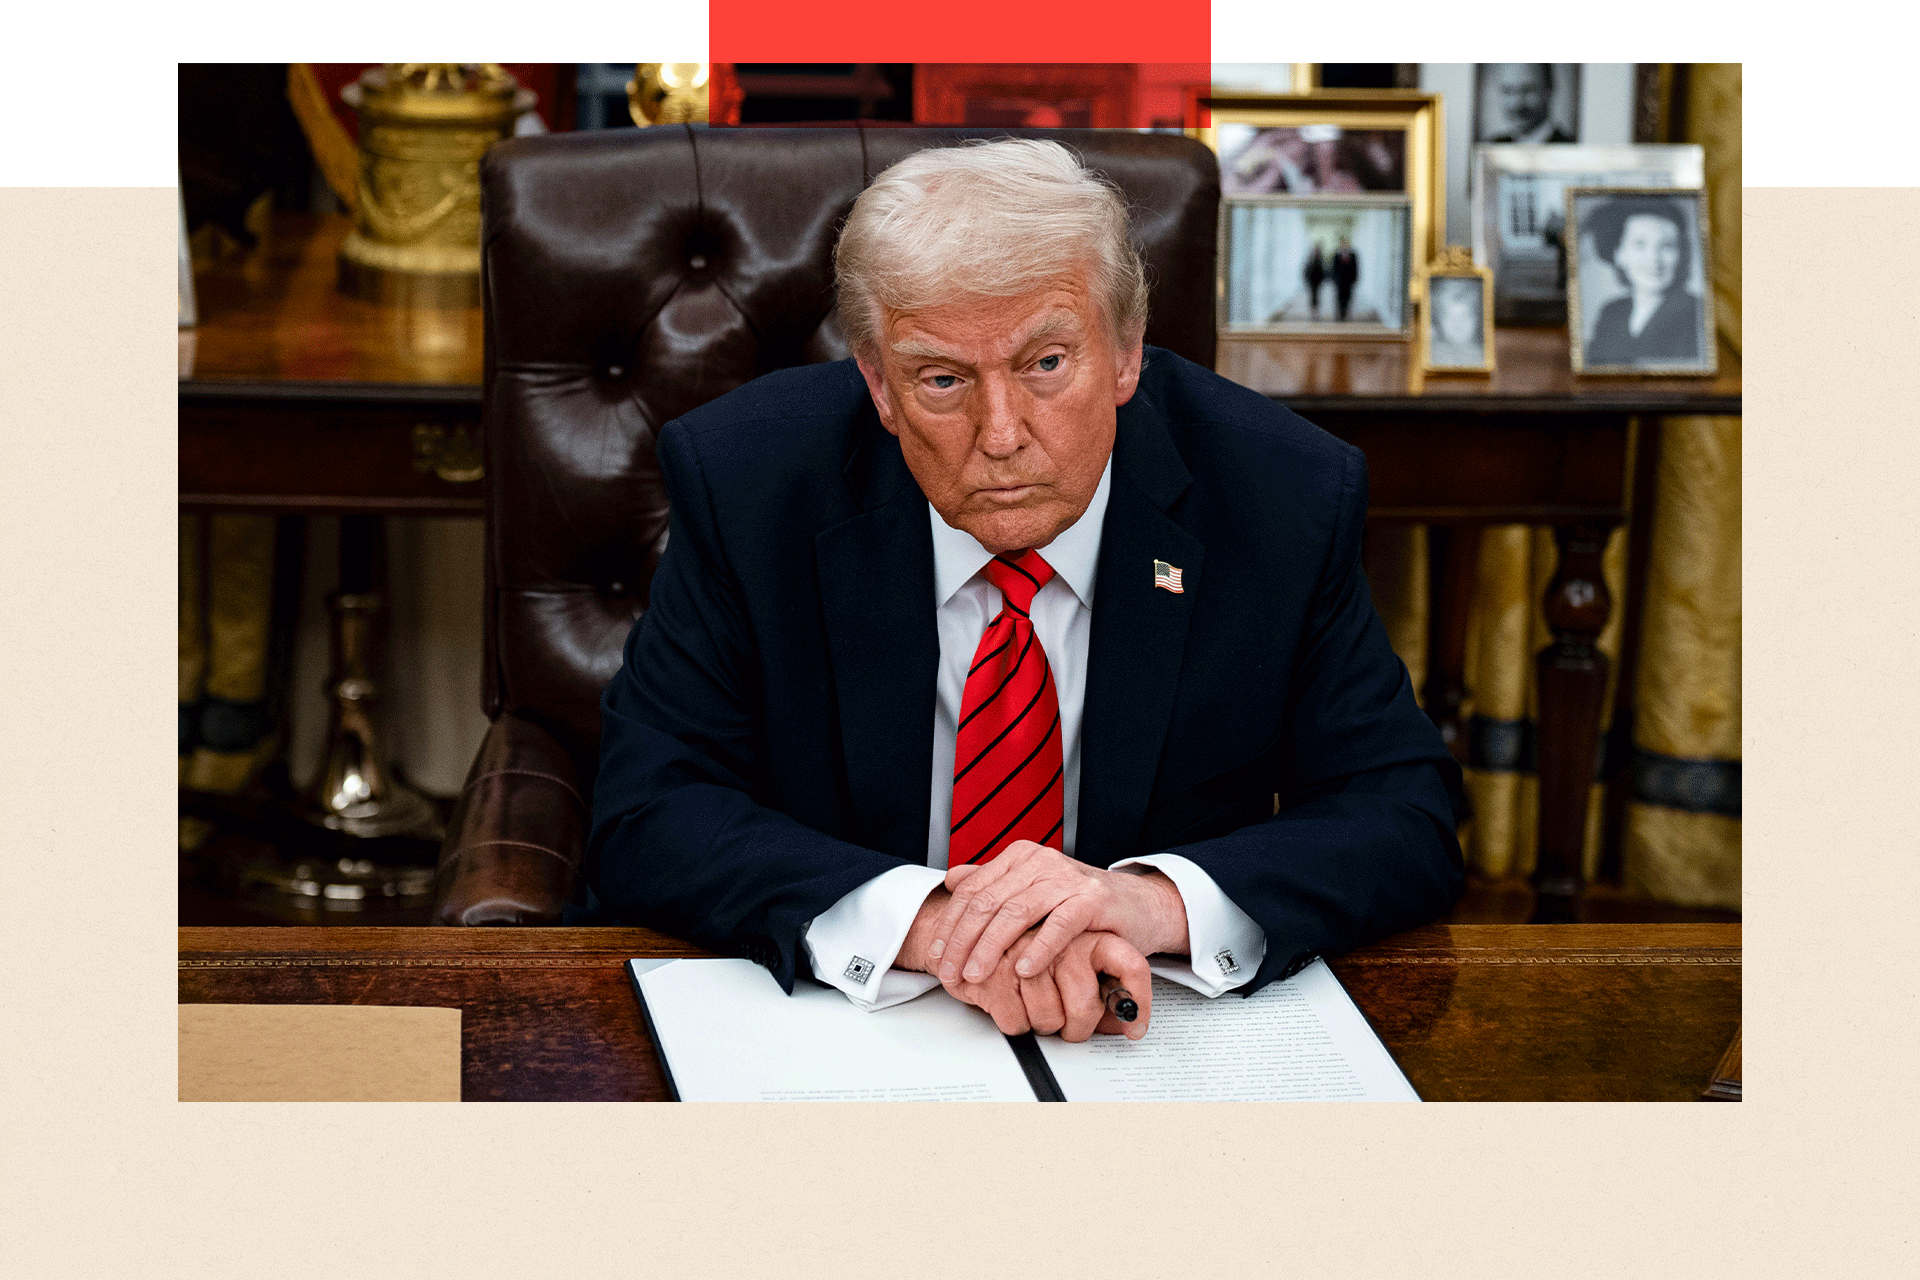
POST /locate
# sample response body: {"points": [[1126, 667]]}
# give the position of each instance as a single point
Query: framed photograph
{"points": [[1638, 300], [1316, 265], [1456, 324], [1526, 102], [1332, 144], [1519, 213]]}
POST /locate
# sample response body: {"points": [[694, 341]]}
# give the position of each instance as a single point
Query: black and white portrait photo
{"points": [[1457, 329], [1316, 265], [1526, 102], [1311, 159], [1637, 297]]}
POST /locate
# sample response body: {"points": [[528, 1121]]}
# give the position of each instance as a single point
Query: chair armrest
{"points": [[516, 835]]}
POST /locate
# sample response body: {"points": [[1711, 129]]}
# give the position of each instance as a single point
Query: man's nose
{"points": [[1002, 427]]}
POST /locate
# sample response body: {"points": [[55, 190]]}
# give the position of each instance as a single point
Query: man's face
{"points": [[1522, 89], [1004, 407], [1649, 253]]}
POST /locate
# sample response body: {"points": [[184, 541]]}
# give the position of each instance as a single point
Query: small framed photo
{"points": [[1331, 144], [1315, 265], [1456, 326], [1638, 300], [1526, 102], [1519, 214]]}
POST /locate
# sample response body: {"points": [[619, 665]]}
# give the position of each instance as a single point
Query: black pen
{"points": [[1118, 999]]}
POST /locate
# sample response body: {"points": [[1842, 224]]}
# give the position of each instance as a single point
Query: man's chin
{"points": [[1000, 531]]}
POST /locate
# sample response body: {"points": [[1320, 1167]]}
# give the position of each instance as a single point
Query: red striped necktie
{"points": [[1006, 756]]}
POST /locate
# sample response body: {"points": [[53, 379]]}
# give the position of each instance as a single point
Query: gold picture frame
{"points": [[1452, 354], [1599, 319], [1414, 115]]}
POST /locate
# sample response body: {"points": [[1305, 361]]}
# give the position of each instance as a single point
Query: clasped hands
{"points": [[1026, 937]]}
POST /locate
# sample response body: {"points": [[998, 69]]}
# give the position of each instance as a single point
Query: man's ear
{"points": [[1127, 375], [877, 388]]}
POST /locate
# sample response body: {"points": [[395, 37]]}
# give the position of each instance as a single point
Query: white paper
{"points": [[729, 1034], [1298, 1040]]}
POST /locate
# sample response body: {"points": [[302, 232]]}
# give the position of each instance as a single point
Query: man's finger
{"points": [[1042, 1001], [963, 888], [969, 880], [1016, 915], [1067, 921], [981, 909], [1000, 997], [1079, 989], [1117, 958], [955, 875]]}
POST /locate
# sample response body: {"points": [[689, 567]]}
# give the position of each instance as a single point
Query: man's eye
{"points": [[944, 381], [1047, 364]]}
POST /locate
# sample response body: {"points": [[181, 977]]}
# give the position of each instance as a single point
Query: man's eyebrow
{"points": [[924, 350], [1058, 322], [921, 349]]}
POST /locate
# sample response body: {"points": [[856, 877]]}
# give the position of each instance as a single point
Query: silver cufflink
{"points": [[859, 969], [1225, 960]]}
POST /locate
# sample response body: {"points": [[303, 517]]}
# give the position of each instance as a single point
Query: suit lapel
{"points": [[1138, 636], [876, 586]]}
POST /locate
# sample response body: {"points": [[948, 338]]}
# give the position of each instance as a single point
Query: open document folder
{"points": [[726, 1033]]}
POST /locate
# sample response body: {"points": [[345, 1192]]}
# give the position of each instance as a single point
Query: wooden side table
{"points": [[297, 399]]}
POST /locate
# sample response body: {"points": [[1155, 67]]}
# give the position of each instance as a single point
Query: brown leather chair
{"points": [[628, 277]]}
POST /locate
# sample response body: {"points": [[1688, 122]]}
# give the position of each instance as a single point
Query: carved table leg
{"points": [[1572, 675]]}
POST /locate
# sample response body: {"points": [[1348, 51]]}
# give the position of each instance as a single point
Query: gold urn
{"points": [[423, 128]]}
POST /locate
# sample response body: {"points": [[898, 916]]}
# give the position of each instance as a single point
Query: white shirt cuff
{"points": [[853, 943], [1227, 946]]}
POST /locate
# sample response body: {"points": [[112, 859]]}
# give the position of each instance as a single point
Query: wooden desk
{"points": [[1470, 1012]]}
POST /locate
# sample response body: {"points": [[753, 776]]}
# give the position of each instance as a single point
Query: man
{"points": [[1009, 592], [1523, 94], [1346, 273]]}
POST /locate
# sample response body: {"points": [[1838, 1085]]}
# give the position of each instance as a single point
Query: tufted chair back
{"points": [[629, 277]]}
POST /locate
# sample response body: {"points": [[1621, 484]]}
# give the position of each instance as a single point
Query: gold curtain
{"points": [[1683, 827], [1396, 563], [226, 612]]}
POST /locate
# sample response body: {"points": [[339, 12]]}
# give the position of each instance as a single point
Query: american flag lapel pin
{"points": [[1167, 577]]}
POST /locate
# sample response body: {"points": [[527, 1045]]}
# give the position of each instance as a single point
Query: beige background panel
{"points": [[105, 1172], [318, 1053]]}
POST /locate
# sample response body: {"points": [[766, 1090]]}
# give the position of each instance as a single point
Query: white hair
{"points": [[995, 219]]}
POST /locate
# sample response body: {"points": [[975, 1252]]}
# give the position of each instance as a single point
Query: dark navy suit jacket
{"points": [[767, 744]]}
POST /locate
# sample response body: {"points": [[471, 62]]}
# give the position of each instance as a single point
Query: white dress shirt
{"points": [[852, 945]]}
